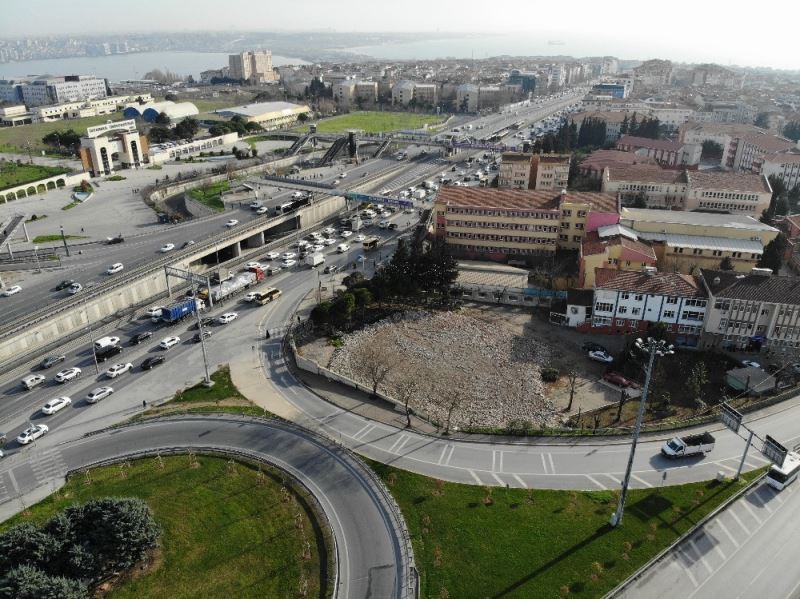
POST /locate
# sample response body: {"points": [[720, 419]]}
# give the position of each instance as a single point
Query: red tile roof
{"points": [[645, 173], [651, 144], [728, 181], [592, 244], [522, 199], [657, 283]]}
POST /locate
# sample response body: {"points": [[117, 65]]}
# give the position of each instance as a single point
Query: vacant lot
{"points": [[514, 543], [227, 530], [375, 122], [13, 174]]}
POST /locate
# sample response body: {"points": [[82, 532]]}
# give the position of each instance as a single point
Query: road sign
{"points": [[730, 417], [774, 450]]}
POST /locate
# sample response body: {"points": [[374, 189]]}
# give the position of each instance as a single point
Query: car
{"points": [[600, 356], [118, 369], [33, 380], [393, 226], [251, 296], [54, 405], [232, 223], [139, 337], [330, 269], [168, 342], [336, 182], [32, 433], [408, 211], [152, 362], [360, 237], [115, 240], [342, 175], [99, 393], [64, 284], [207, 321], [107, 352], [346, 234], [115, 268], [167, 247], [288, 263], [227, 317], [615, 378], [288, 255], [329, 231], [386, 214], [751, 364], [154, 311], [262, 210], [13, 290], [273, 270], [186, 244], [383, 224], [255, 205], [329, 241], [272, 256], [316, 248], [68, 374], [74, 288], [196, 338], [250, 265], [592, 346], [51, 361]]}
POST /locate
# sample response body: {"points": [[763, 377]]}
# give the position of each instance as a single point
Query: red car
{"points": [[615, 378]]}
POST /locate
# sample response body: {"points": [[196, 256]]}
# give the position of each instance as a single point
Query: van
{"points": [[342, 248], [104, 342], [29, 382]]}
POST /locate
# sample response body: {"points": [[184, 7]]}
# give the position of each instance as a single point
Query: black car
{"points": [[137, 339], [152, 362], [206, 335], [207, 322], [108, 352], [330, 269], [591, 346], [115, 240], [52, 361], [64, 284]]}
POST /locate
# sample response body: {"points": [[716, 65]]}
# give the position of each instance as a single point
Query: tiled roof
{"points": [[648, 173], [759, 288], [609, 116], [728, 181], [516, 157], [788, 157], [592, 244], [652, 144], [767, 142], [521, 199], [657, 283], [601, 202]]}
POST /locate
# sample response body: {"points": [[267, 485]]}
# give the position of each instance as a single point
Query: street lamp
{"points": [[64, 239], [654, 347], [89, 328], [36, 253]]}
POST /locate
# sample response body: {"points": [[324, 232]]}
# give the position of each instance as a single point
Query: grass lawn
{"points": [[375, 122], [227, 531], [478, 542], [13, 174], [55, 237], [210, 195], [12, 139]]}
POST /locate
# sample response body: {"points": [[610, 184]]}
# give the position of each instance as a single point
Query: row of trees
{"points": [[647, 127], [76, 548], [161, 132], [238, 124], [63, 141]]}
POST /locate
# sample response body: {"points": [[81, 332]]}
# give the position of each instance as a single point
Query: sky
{"points": [[726, 32]]}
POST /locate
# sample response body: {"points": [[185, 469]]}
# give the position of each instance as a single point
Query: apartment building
{"points": [[730, 192], [751, 311], [403, 92], [654, 73], [467, 98], [655, 186], [255, 67], [46, 91], [426, 94], [582, 212], [752, 148], [783, 165], [367, 91], [629, 302], [595, 163], [550, 171], [726, 135], [616, 249], [669, 154], [515, 170], [344, 92]]}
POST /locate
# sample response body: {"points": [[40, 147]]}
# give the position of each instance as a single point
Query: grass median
{"points": [[376, 122], [229, 529], [472, 541], [211, 195]]}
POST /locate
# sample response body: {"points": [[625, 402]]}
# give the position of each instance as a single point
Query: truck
{"points": [[182, 309], [682, 447], [238, 283], [370, 243], [314, 260], [418, 194], [355, 223]]}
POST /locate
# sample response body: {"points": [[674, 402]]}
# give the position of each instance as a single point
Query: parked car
{"points": [[600, 356], [13, 290], [152, 362], [32, 433], [99, 393], [54, 405], [68, 374], [168, 342], [143, 336], [615, 378], [751, 364], [52, 361], [227, 317], [118, 369]]}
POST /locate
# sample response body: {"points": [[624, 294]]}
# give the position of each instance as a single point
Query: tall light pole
{"points": [[64, 239], [36, 253], [654, 347], [91, 334]]}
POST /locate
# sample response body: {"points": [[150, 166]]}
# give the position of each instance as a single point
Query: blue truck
{"points": [[175, 312]]}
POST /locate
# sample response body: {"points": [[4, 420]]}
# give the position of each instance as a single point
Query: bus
{"points": [[287, 207], [781, 476], [370, 243], [268, 295]]}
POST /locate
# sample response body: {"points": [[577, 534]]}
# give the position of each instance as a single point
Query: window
{"points": [[601, 321], [622, 310], [603, 307], [625, 296], [672, 300], [638, 297], [689, 315], [698, 303], [669, 314], [636, 311]]}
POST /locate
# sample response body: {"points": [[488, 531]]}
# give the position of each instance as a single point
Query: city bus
{"points": [[370, 243], [781, 476], [268, 295]]}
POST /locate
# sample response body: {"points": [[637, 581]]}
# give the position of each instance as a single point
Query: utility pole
{"points": [[655, 348], [64, 239]]}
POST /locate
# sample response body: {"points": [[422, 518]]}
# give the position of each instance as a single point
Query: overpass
{"points": [[350, 196]]}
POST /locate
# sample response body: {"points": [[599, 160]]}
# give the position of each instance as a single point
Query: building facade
{"points": [[729, 192], [783, 165], [514, 171], [669, 154], [550, 172], [658, 188], [103, 142], [618, 252], [255, 67]]}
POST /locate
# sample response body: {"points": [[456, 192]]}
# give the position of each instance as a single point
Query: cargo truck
{"points": [[681, 447], [176, 312], [232, 286], [314, 260]]}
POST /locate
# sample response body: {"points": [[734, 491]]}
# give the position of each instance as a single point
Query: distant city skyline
{"points": [[683, 31]]}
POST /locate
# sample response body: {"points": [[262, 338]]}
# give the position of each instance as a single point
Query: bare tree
{"points": [[447, 395], [404, 391], [623, 396], [374, 361], [572, 378]]}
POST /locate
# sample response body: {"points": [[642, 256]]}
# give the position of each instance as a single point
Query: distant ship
{"points": [[555, 43]]}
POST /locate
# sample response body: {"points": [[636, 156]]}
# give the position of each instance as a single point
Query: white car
{"points": [[347, 234], [289, 255], [99, 393], [318, 247], [32, 433], [342, 175], [68, 374], [600, 356], [329, 231], [227, 317], [115, 268], [169, 342], [262, 210], [251, 296], [272, 256], [232, 223], [383, 224], [342, 248], [74, 288], [751, 364], [288, 263], [386, 214], [167, 247], [54, 405], [13, 290], [360, 237], [336, 182], [329, 241], [154, 312], [250, 265], [118, 369]]}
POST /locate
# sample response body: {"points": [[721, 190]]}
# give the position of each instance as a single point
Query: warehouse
{"points": [[270, 115]]}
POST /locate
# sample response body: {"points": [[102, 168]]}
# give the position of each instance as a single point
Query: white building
{"points": [[163, 152], [103, 143], [784, 165], [60, 90], [467, 98], [403, 92]]}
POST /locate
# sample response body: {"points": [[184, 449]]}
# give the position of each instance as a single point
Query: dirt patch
{"points": [[151, 562]]}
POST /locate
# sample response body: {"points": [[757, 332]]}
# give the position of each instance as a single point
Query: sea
{"points": [[118, 67]]}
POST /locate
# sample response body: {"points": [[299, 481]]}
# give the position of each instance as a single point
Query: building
{"points": [[160, 153], [103, 143], [367, 91], [344, 92], [783, 165], [620, 251], [617, 88], [649, 183], [150, 111], [711, 75], [426, 94], [687, 241], [752, 148], [403, 92], [60, 90], [254, 67], [612, 119], [270, 115], [653, 74], [628, 302], [495, 283], [467, 99], [581, 213], [730, 192], [594, 164], [669, 154], [525, 79], [752, 311], [549, 171], [515, 170], [14, 116]]}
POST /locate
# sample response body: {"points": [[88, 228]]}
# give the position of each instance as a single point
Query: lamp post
{"points": [[654, 347], [36, 253], [64, 239], [89, 328]]}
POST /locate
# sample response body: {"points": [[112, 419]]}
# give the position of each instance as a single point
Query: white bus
{"points": [[781, 476]]}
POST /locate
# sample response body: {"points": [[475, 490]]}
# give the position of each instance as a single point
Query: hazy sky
{"points": [[727, 32]]}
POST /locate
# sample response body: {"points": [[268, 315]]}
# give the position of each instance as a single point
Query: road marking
{"points": [[500, 480], [520, 481], [364, 432], [735, 517], [494, 460], [721, 465], [501, 459], [595, 481], [751, 512], [475, 476], [642, 481], [719, 550], [441, 457], [403, 444], [450, 455], [683, 570], [727, 532], [363, 429], [614, 478], [397, 442], [544, 463], [552, 466], [700, 557], [13, 481]]}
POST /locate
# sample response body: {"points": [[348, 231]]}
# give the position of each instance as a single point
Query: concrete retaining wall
{"points": [[42, 186]]}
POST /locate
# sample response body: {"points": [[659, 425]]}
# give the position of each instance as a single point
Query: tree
{"points": [[773, 254], [711, 150], [639, 201], [794, 197], [303, 117], [163, 119], [778, 191], [792, 130], [623, 127], [698, 379], [726, 264], [762, 120], [170, 97], [623, 397], [374, 360], [187, 128], [25, 544], [160, 134], [404, 391], [363, 297], [28, 582], [572, 379]]}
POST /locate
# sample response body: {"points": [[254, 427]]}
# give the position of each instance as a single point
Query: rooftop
{"points": [[650, 283], [728, 181], [261, 108], [609, 116], [646, 142], [706, 242], [602, 158], [788, 157], [516, 157], [498, 275], [731, 221], [594, 244], [759, 288], [649, 173], [768, 142], [521, 199]]}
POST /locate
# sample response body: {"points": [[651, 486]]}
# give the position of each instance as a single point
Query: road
{"points": [[748, 550]]}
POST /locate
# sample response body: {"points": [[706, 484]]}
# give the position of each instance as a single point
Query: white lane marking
{"points": [[444, 451], [683, 570], [544, 463], [450, 455], [494, 460], [552, 466], [614, 478], [403, 444], [721, 465], [520, 481], [475, 476], [500, 480], [719, 550], [739, 522], [642, 481], [363, 429], [396, 443], [595, 481], [751, 512], [13, 481], [501, 452], [727, 532], [700, 557], [364, 432]]}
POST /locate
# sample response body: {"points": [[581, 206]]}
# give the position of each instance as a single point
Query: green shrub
{"points": [[550, 375]]}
